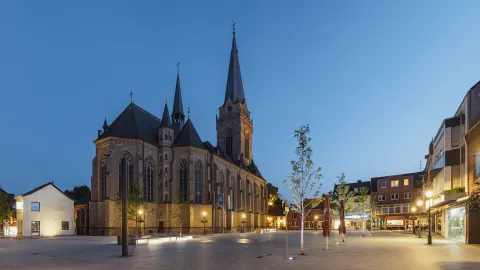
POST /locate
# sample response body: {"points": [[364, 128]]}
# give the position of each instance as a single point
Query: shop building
{"points": [[395, 200], [313, 220], [354, 221]]}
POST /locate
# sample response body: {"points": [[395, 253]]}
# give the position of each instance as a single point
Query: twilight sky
{"points": [[374, 79]]}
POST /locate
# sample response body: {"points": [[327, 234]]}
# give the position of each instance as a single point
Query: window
{"points": [[166, 157], [228, 141], [242, 184], [103, 180], [247, 144], [148, 179], [394, 183], [381, 197], [384, 184], [166, 169], [294, 215], [166, 183], [407, 195], [65, 226], [294, 224], [398, 209], [419, 194], [125, 170], [405, 208], [394, 196], [391, 209], [36, 206], [183, 181], [198, 182], [355, 190], [405, 182], [385, 210], [165, 197], [232, 192]]}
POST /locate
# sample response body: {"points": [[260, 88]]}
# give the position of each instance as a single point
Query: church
{"points": [[185, 183]]}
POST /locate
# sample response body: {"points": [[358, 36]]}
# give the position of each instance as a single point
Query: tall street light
{"points": [[140, 213], [204, 221], [419, 203], [414, 209], [243, 223], [429, 196]]}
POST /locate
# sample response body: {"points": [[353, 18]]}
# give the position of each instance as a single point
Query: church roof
{"points": [[166, 122], [234, 89], [134, 123], [188, 136]]}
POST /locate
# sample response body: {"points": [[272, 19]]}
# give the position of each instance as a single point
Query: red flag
{"points": [[326, 211]]}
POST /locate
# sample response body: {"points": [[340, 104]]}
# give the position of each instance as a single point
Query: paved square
{"points": [[383, 250]]}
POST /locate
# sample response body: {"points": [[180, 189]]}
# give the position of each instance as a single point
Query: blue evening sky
{"points": [[374, 79]]}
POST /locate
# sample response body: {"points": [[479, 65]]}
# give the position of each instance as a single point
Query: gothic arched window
{"points": [[232, 192], [125, 171], [247, 144], [183, 181], [228, 141], [103, 180], [198, 182], [148, 179], [242, 187], [221, 183]]}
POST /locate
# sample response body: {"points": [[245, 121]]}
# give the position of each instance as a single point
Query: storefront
{"points": [[455, 223]]}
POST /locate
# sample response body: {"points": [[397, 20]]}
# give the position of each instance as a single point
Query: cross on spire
{"points": [[178, 67], [233, 26], [188, 112], [131, 96]]}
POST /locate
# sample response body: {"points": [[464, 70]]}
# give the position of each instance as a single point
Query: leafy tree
{"points": [[342, 192], [135, 202], [78, 192], [362, 206], [474, 200], [304, 182], [5, 207]]}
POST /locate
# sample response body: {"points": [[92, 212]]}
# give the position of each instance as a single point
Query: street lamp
{"points": [[316, 218], [419, 203], [429, 194], [414, 209], [204, 221], [243, 223], [140, 212]]}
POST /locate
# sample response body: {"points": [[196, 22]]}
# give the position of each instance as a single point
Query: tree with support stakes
{"points": [[304, 182]]}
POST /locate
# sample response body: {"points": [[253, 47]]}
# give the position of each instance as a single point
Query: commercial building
{"points": [[452, 171], [44, 212], [313, 220], [355, 217], [395, 201]]}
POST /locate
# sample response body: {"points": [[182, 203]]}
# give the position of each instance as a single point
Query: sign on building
{"points": [[220, 200]]}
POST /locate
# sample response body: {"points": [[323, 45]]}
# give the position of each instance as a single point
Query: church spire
{"points": [[166, 118], [178, 117], [234, 89]]}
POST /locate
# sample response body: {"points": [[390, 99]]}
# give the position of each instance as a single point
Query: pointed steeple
{"points": [[234, 89], [105, 125], [177, 112], [166, 122]]}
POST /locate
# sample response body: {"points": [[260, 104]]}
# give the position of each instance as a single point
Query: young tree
{"points": [[342, 192], [362, 206], [135, 202], [304, 182]]}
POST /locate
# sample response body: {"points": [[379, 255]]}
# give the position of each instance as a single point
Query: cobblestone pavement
{"points": [[383, 250]]}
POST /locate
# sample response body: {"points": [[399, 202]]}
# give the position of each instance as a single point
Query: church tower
{"points": [[234, 126], [178, 117]]}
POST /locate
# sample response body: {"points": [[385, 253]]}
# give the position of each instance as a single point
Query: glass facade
{"points": [[455, 227]]}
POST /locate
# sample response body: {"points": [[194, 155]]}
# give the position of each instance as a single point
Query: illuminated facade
{"points": [[179, 175], [45, 212]]}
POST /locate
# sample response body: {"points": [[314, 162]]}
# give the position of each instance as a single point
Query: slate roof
{"points": [[188, 136], [134, 123], [43, 186], [234, 89], [166, 122]]}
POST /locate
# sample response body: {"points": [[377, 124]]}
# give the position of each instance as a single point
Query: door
{"points": [[160, 226], [35, 228]]}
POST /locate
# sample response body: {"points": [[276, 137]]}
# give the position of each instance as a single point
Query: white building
{"points": [[45, 211]]}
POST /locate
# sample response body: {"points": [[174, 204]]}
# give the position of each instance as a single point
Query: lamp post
{"points": [[140, 212], [419, 203], [316, 218], [429, 196], [414, 209], [243, 223], [204, 221]]}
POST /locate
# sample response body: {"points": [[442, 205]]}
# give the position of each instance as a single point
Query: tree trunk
{"points": [[302, 250]]}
